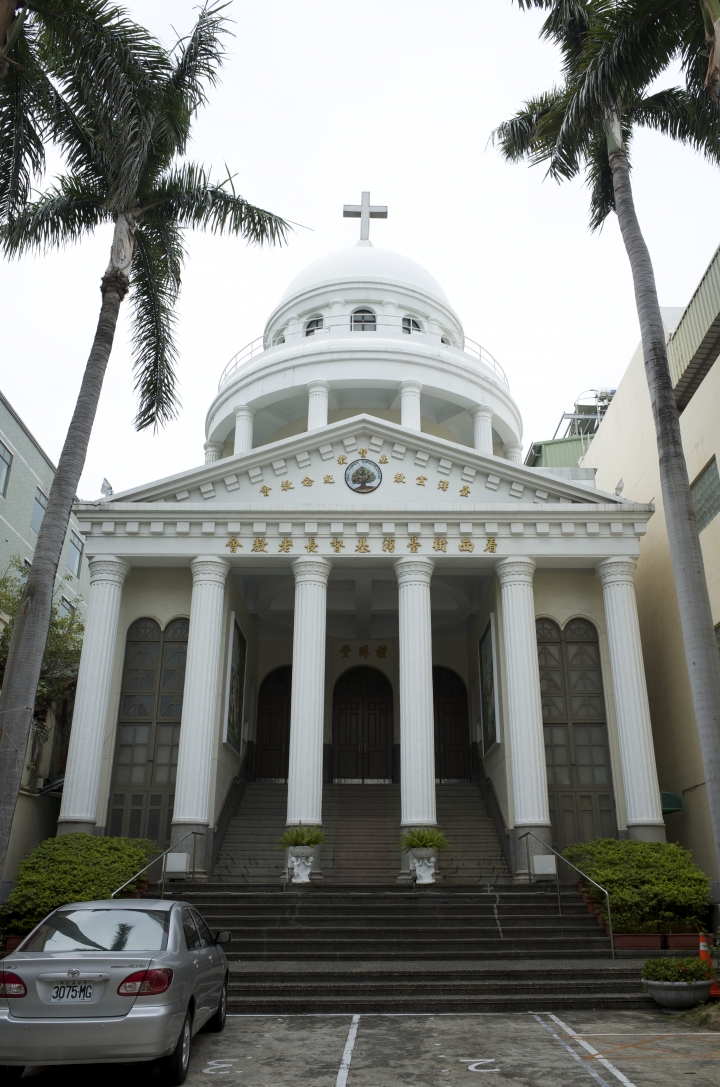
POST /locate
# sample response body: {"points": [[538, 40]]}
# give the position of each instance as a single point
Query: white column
{"points": [[202, 675], [307, 704], [213, 451], [82, 776], [637, 754], [318, 393], [410, 404], [417, 727], [244, 416], [482, 421], [513, 451], [338, 322], [524, 708]]}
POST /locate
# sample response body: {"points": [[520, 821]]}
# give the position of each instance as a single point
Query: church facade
{"points": [[362, 583]]}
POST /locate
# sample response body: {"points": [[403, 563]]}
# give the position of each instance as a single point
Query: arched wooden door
{"points": [[363, 728], [452, 732], [273, 726]]}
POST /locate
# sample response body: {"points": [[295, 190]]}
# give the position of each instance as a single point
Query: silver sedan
{"points": [[117, 980]]}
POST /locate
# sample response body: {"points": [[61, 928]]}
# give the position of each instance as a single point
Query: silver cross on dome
{"points": [[365, 211]]}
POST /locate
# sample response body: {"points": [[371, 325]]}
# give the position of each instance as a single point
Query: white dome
{"points": [[368, 263]]}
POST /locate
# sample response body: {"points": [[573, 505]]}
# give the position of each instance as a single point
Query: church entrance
{"points": [[363, 728], [582, 803], [272, 742], [452, 732]]}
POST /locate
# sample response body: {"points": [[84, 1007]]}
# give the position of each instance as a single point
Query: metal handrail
{"points": [[169, 849], [384, 322], [583, 874]]}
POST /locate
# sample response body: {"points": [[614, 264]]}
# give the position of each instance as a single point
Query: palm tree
{"points": [[575, 128], [125, 168]]}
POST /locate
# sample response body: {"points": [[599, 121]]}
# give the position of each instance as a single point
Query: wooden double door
{"points": [[272, 744], [452, 731], [363, 728]]}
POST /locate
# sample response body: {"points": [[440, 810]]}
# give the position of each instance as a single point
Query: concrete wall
{"points": [[625, 447]]}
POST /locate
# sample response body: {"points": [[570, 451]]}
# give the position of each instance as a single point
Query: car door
{"points": [[214, 964], [202, 967]]}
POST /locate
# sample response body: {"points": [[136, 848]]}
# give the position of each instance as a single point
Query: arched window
{"points": [[446, 341], [148, 734], [364, 320], [278, 339], [314, 325], [410, 325]]}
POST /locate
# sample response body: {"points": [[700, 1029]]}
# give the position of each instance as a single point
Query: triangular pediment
{"points": [[417, 470]]}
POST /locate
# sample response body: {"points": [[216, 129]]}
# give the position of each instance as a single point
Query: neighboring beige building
{"points": [[625, 449]]}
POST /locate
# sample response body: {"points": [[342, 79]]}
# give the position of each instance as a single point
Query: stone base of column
{"points": [[647, 832], [523, 849], [201, 842], [75, 826]]}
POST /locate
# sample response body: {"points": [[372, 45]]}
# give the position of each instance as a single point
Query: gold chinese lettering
{"points": [[342, 459], [260, 544], [421, 481], [443, 485], [362, 452], [491, 545], [337, 544], [466, 545], [381, 651], [383, 459], [311, 546], [265, 491], [233, 543], [328, 479], [439, 543], [464, 491], [389, 544], [414, 544], [286, 485], [285, 545], [345, 651], [363, 651], [307, 482], [362, 545], [399, 477]]}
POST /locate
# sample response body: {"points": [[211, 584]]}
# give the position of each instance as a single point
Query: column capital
{"points": [[311, 568], [213, 451], [318, 383], [515, 571], [213, 569], [513, 451], [617, 571], [244, 411], [108, 568], [411, 386], [481, 411], [414, 568]]}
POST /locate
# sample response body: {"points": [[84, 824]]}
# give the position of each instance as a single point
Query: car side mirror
{"points": [[223, 937]]}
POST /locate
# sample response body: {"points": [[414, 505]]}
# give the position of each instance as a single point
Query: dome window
{"points": [[278, 339], [410, 325], [314, 325], [446, 341], [363, 320]]}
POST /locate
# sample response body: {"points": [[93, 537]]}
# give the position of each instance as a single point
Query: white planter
{"points": [[679, 994], [299, 863], [422, 865]]}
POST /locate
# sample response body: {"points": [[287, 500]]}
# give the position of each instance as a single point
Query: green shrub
{"points": [[72, 868], [677, 970], [424, 838], [301, 835], [653, 886]]}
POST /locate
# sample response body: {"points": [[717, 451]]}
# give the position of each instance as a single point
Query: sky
{"points": [[319, 100]]}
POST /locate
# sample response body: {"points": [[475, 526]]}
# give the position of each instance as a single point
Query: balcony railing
{"points": [[385, 325]]}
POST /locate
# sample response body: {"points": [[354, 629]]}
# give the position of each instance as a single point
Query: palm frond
{"points": [[156, 268], [599, 180], [63, 214], [187, 195], [684, 117]]}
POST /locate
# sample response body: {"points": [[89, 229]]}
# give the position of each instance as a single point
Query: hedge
{"points": [[653, 886], [688, 970], [72, 868]]}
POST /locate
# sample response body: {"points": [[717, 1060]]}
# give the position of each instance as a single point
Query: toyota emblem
{"points": [[73, 973]]}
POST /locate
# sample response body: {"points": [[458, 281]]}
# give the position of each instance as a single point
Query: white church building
{"points": [[363, 584]]}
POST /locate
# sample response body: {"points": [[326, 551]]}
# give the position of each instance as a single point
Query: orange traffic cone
{"points": [[705, 954]]}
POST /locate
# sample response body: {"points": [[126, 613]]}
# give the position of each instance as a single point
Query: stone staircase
{"points": [[362, 828]]}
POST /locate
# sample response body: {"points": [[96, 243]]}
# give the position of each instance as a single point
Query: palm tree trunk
{"points": [[701, 651], [31, 625]]}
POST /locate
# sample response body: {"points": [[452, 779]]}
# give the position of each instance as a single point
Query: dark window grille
{"points": [[6, 459], [74, 554], [706, 495], [364, 320], [314, 325], [410, 325], [38, 511]]}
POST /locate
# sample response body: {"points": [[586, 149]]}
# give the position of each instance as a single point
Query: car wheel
{"points": [[174, 1069], [11, 1073], [217, 1022]]}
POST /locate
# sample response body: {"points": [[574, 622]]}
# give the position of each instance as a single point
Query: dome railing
{"points": [[384, 325]]}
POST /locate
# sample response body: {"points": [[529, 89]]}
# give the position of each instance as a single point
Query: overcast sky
{"points": [[321, 99]]}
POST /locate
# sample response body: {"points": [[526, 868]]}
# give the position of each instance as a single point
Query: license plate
{"points": [[74, 992]]}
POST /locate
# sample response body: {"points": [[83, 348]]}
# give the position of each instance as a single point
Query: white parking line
{"points": [[576, 1056], [595, 1052], [347, 1053]]}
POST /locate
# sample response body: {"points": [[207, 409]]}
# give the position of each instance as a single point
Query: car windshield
{"points": [[102, 930]]}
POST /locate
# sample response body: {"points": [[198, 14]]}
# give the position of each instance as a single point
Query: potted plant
{"points": [[678, 983], [300, 844], [655, 889], [423, 845]]}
